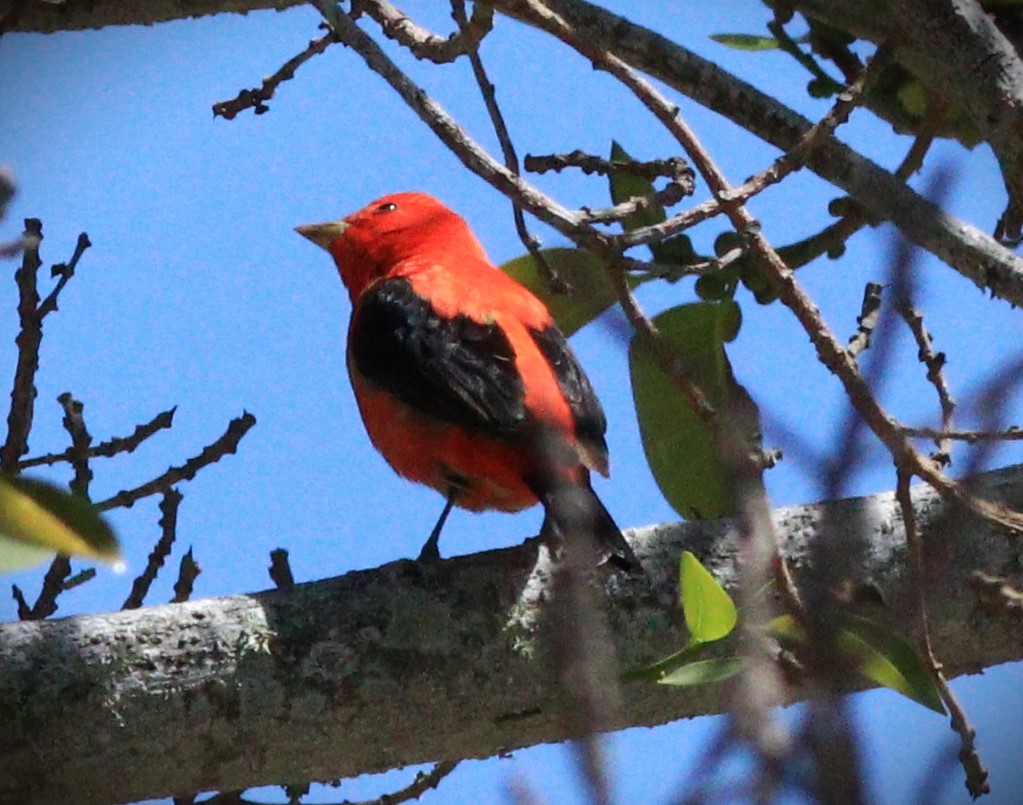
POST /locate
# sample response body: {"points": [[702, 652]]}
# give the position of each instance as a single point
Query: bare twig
{"points": [[420, 42], [976, 773], [30, 336], [511, 158], [74, 424], [870, 311], [109, 448], [65, 271], [227, 443], [935, 363], [1012, 434], [168, 533], [256, 99], [673, 168]]}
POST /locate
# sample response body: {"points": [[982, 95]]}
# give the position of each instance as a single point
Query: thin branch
{"points": [[74, 424], [935, 364], [976, 774], [227, 443], [30, 336], [511, 159], [1012, 434], [109, 448], [256, 98], [168, 533], [870, 313], [673, 168], [422, 43], [65, 271]]}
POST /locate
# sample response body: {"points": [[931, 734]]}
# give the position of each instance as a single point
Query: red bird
{"points": [[463, 379]]}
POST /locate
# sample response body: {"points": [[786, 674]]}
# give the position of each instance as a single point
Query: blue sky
{"points": [[197, 293]]}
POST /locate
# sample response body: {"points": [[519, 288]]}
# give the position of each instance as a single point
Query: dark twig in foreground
{"points": [[188, 572], [111, 447], [168, 533], [228, 443], [256, 99]]}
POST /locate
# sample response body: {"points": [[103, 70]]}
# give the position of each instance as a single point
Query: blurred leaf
{"points": [[592, 290], [881, 655], [626, 185], [704, 672], [38, 519], [679, 446], [746, 41], [709, 610], [890, 660]]}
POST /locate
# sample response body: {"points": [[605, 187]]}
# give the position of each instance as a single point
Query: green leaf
{"points": [[679, 445], [38, 519], [661, 668], [889, 659], [625, 186], [592, 291], [709, 610], [881, 655], [746, 41], [704, 672]]}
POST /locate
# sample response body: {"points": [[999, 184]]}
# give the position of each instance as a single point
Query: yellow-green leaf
{"points": [[881, 655], [704, 672], [38, 519], [679, 444], [746, 41], [710, 612]]}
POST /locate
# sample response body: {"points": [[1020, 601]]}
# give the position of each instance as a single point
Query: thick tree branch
{"points": [[411, 662]]}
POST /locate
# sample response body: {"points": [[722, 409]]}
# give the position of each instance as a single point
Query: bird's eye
{"points": [[389, 206]]}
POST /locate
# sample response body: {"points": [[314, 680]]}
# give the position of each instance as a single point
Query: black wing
{"points": [[456, 370], [590, 422]]}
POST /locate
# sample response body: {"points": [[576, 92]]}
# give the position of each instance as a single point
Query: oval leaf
{"points": [[890, 660], [626, 185], [38, 519], [746, 41], [704, 672], [679, 446], [592, 291], [710, 612]]}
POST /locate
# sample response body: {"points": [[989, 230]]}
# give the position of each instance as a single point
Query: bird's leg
{"points": [[430, 550]]}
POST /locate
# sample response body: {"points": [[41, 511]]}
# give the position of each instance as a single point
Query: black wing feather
{"points": [[590, 422], [456, 370]]}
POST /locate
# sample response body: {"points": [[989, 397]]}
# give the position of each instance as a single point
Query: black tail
{"points": [[575, 510]]}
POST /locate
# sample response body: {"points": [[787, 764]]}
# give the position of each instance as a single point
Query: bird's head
{"points": [[385, 235]]}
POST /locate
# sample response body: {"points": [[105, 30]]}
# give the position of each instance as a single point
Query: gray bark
{"points": [[411, 663]]}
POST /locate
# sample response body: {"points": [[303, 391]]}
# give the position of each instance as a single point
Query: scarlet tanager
{"points": [[463, 379]]}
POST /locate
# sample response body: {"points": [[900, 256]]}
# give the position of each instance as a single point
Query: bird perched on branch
{"points": [[463, 379]]}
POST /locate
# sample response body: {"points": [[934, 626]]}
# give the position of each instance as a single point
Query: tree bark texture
{"points": [[412, 663]]}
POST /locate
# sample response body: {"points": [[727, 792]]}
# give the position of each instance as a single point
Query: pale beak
{"points": [[323, 234]]}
